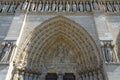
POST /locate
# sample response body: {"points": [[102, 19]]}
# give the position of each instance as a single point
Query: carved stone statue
{"points": [[67, 6], [47, 5], [101, 6], [12, 8], [74, 7], [5, 7], [109, 7], [6, 51], [81, 9], [53, 6], [60, 6], [95, 5], [32, 8], [88, 7], [40, 6], [25, 4], [116, 7]]}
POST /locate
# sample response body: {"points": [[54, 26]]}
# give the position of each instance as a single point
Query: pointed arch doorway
{"points": [[59, 45]]}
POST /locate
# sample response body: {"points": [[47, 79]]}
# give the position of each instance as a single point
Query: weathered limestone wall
{"points": [[113, 23], [113, 71], [5, 22], [3, 71]]}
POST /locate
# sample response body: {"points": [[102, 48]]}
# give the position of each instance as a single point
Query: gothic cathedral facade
{"points": [[59, 39]]}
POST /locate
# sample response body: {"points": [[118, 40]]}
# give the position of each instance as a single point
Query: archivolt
{"points": [[53, 32]]}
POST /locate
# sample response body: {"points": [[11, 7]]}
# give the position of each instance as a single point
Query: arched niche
{"points": [[60, 45]]}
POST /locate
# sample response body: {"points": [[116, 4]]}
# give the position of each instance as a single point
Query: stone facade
{"points": [[78, 38]]}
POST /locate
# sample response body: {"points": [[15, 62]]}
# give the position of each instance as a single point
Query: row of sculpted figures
{"points": [[11, 7]]}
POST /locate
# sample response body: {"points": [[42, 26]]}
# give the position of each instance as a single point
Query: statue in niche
{"points": [[110, 54], [6, 51], [81, 9], [109, 7], [54, 6], [67, 6], [95, 5], [60, 6], [88, 8], [74, 7], [40, 6], [5, 7], [116, 6], [32, 8], [25, 4]]}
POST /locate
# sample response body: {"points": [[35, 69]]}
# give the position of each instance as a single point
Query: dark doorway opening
{"points": [[69, 76], [51, 76]]}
